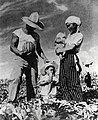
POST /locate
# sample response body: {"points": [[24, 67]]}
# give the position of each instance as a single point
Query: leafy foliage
{"points": [[53, 109]]}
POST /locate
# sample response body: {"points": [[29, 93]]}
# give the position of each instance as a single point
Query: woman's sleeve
{"points": [[74, 45], [78, 40]]}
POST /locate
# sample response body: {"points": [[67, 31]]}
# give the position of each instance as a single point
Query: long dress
{"points": [[70, 88]]}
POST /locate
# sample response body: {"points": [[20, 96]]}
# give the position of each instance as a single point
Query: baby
{"points": [[59, 44], [48, 80]]}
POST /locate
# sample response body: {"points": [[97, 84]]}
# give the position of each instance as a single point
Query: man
{"points": [[88, 79], [25, 44]]}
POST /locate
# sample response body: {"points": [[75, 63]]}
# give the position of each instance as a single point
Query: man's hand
{"points": [[24, 53]]}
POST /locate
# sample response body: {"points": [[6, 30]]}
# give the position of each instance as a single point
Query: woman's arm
{"points": [[76, 44]]}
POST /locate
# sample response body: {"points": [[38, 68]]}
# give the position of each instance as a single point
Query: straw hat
{"points": [[49, 64], [33, 21], [73, 19]]}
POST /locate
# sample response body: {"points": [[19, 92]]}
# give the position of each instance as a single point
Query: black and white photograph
{"points": [[48, 60]]}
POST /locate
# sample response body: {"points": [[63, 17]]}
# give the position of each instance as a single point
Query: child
{"points": [[48, 80], [60, 43]]}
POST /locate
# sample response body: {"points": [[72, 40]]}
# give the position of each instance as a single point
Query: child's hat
{"points": [[47, 65]]}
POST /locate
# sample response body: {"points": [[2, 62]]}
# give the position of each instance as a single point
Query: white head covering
{"points": [[73, 19]]}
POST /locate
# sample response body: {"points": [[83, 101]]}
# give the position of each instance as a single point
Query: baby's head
{"points": [[60, 38]]}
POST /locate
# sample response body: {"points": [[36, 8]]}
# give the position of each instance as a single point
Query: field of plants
{"points": [[53, 109]]}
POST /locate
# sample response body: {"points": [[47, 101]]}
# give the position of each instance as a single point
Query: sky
{"points": [[54, 14]]}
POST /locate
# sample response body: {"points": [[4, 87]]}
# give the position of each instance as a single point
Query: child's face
{"points": [[59, 43], [50, 70]]}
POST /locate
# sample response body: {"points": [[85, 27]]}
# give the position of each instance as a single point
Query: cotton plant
{"points": [[87, 112], [9, 111], [23, 111], [37, 108], [43, 110], [82, 111], [51, 112], [2, 110], [19, 113], [63, 103]]}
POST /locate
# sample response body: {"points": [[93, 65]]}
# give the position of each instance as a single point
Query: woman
{"points": [[70, 88]]}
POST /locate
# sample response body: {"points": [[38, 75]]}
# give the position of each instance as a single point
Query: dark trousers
{"points": [[21, 66]]}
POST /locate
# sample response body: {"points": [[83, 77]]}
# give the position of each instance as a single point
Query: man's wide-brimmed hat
{"points": [[73, 19], [47, 65], [34, 21]]}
